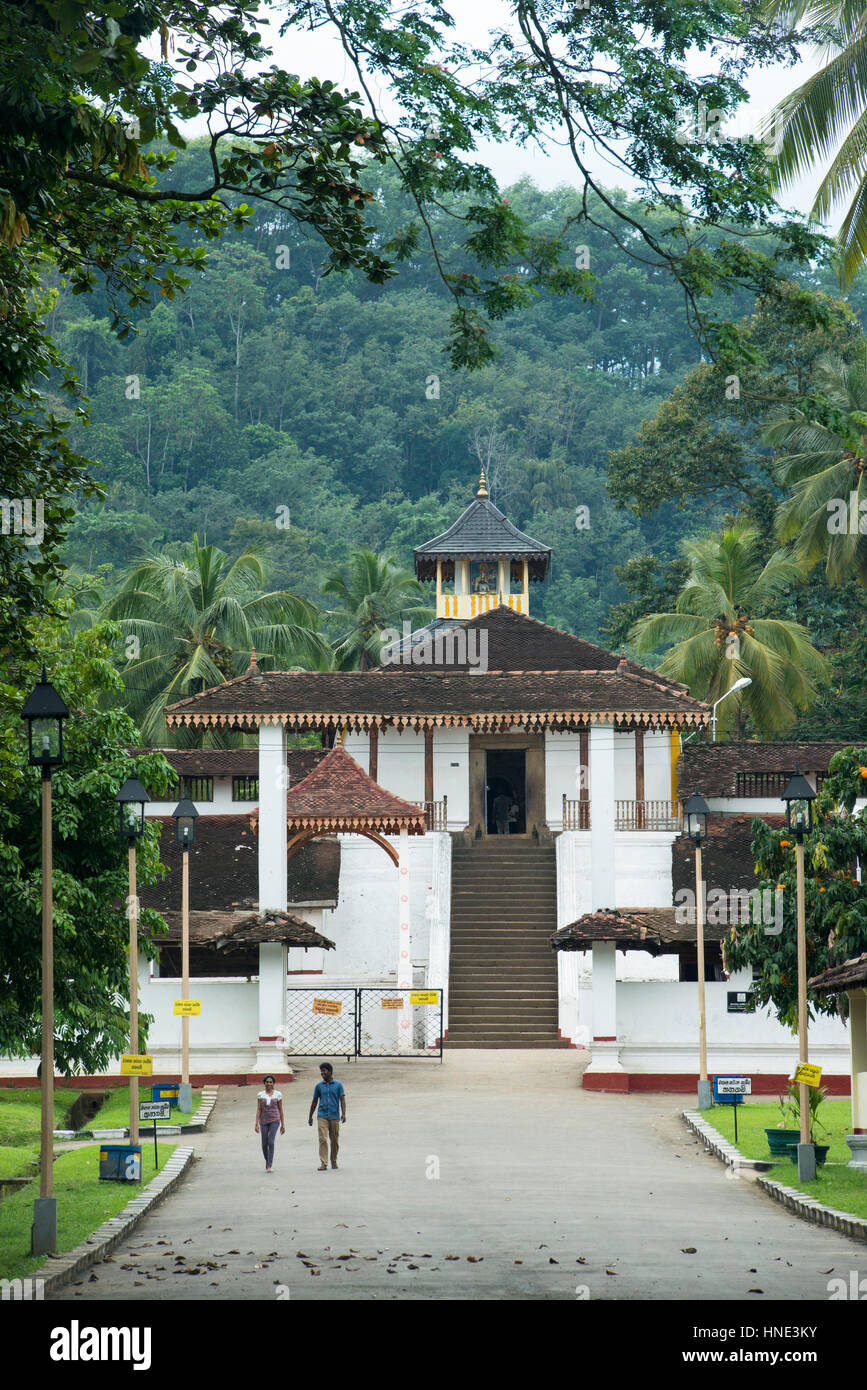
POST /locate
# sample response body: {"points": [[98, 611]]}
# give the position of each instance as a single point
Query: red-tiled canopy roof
{"points": [[852, 974], [653, 929], [338, 795]]}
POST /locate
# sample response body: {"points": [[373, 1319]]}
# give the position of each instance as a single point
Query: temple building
{"points": [[495, 787]]}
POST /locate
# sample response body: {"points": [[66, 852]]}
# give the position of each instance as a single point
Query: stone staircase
{"points": [[502, 971]]}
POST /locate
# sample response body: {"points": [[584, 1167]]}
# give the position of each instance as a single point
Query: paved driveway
{"points": [[491, 1176]]}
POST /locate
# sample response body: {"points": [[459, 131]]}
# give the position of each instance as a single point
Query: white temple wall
{"points": [[624, 765], [451, 773], [562, 774], [642, 868], [364, 925], [400, 764], [657, 766]]}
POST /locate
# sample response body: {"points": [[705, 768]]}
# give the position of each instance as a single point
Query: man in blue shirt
{"points": [[329, 1093]]}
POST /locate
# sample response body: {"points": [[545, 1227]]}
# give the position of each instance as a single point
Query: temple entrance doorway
{"points": [[509, 764], [505, 790]]}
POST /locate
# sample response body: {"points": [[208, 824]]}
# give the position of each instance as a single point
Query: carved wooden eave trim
{"points": [[557, 720], [349, 825]]}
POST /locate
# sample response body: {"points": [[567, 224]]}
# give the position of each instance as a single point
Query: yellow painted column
{"points": [[440, 613], [525, 607]]}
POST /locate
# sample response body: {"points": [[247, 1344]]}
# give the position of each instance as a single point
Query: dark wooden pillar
{"points": [[373, 764], [428, 765], [584, 780], [639, 778]]}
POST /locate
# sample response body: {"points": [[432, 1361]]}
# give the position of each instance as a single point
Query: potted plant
{"points": [[783, 1138], [816, 1095]]}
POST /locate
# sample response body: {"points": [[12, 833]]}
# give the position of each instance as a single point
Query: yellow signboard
{"points": [[808, 1075], [327, 1006], [132, 1064], [188, 1006], [424, 996], [392, 1003]]}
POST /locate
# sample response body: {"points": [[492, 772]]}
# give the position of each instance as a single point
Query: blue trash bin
{"points": [[120, 1162], [167, 1091]]}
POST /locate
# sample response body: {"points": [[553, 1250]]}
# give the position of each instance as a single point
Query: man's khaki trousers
{"points": [[328, 1129]]}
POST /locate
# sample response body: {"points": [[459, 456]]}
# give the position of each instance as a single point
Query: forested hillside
{"points": [[314, 413]]}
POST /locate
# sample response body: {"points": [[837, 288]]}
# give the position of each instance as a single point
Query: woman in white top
{"points": [[269, 1114]]}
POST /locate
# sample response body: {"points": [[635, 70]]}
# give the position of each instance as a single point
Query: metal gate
{"points": [[367, 1022], [321, 1022], [400, 1023]]}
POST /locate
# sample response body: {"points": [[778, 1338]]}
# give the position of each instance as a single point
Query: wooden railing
{"points": [[576, 814], [436, 813], [647, 815]]}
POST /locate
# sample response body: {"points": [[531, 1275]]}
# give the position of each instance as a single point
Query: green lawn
{"points": [[83, 1203], [21, 1109], [15, 1160], [115, 1112], [836, 1185]]}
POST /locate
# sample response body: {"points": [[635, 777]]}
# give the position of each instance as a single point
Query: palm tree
{"points": [[824, 468], [188, 614], [827, 113], [377, 595], [719, 637]]}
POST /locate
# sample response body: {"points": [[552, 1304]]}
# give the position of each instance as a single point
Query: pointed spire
{"points": [[621, 665], [253, 669], [483, 486]]}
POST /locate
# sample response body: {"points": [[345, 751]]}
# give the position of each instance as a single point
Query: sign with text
{"points": [[154, 1110], [738, 1001], [807, 1075], [728, 1090], [392, 1003], [424, 996], [327, 1006], [187, 1007], [132, 1064]]}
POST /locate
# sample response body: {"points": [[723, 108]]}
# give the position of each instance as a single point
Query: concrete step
{"points": [[518, 1044]]}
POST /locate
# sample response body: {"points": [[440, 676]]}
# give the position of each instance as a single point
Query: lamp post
{"points": [[185, 817], [738, 685], [695, 814], [132, 799], [45, 712], [799, 797]]}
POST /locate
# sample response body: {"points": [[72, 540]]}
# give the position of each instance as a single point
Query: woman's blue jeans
{"points": [[269, 1134]]}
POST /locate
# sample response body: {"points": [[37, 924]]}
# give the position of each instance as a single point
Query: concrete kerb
{"points": [[62, 1268], [808, 1208], [195, 1126]]}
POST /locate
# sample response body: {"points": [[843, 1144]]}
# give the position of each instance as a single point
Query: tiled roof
{"points": [[727, 861], [229, 931], [714, 767], [482, 532], [512, 642], [852, 974], [420, 698], [339, 795], [653, 929], [224, 868]]}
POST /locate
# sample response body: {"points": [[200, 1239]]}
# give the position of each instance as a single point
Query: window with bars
{"points": [[767, 783], [245, 788], [196, 788]]}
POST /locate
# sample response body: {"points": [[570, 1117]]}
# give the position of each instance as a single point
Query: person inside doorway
{"points": [[505, 811]]}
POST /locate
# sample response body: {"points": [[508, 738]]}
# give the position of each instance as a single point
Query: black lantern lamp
{"points": [[695, 814], [799, 797], [45, 712], [185, 817], [132, 799]]}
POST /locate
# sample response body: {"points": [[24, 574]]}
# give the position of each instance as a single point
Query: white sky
{"points": [[320, 54]]}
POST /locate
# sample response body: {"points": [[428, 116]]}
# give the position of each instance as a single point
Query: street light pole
{"points": [[132, 825], [738, 685], [185, 817], [44, 712], [799, 797], [695, 814]]}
